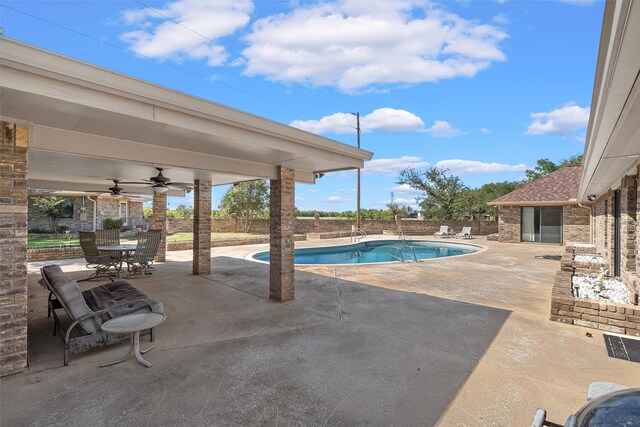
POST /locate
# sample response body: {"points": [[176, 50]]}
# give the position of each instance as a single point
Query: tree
{"points": [[397, 209], [248, 200], [473, 203], [50, 207], [183, 212], [546, 166], [441, 192]]}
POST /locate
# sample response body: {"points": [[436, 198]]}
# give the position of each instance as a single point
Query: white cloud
{"points": [[336, 199], [501, 19], [356, 45], [163, 35], [404, 188], [443, 129], [381, 119], [393, 166], [300, 199], [343, 191], [560, 121], [402, 201], [312, 191], [468, 167], [484, 130]]}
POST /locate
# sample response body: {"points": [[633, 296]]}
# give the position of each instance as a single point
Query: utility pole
{"points": [[358, 197]]}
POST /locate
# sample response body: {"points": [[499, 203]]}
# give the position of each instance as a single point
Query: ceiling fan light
{"points": [[160, 188]]}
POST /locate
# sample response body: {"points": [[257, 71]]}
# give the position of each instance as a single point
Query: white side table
{"points": [[133, 323]]}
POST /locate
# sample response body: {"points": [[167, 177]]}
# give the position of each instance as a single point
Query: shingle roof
{"points": [[558, 186]]}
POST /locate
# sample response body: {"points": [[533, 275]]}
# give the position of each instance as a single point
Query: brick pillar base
{"points": [[202, 227], [14, 143], [281, 242], [628, 225], [159, 222]]}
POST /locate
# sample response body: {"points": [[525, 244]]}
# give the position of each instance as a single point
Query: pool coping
{"points": [[482, 248]]}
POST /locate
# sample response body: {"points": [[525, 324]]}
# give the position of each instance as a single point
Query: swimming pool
{"points": [[376, 251]]}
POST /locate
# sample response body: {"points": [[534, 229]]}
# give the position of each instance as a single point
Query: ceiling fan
{"points": [[161, 184]]}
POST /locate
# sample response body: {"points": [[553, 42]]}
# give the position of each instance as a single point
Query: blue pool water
{"points": [[375, 251]]}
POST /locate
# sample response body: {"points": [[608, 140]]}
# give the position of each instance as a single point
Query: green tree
{"points": [[51, 208], [441, 193], [248, 200], [545, 167], [147, 212], [183, 212], [394, 209]]}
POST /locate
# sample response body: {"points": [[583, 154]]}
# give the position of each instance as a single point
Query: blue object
{"points": [[376, 251]]}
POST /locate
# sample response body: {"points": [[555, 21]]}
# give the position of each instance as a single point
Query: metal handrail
{"points": [[397, 253], [357, 234]]}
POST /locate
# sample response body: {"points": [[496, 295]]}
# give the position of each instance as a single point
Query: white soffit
{"points": [[613, 139], [90, 125]]}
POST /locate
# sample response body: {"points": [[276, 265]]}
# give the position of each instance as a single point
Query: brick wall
{"points": [[309, 225], [14, 145], [82, 216], [576, 224], [509, 224]]}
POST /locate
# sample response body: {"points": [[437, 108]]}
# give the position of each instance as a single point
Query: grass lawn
{"points": [[43, 242]]}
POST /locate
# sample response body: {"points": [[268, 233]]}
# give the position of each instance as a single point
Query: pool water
{"points": [[376, 251]]}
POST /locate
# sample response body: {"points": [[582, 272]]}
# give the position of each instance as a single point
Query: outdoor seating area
{"points": [[444, 232], [425, 351], [81, 328], [104, 253]]}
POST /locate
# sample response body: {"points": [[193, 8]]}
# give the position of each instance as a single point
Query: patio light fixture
{"points": [[160, 188]]}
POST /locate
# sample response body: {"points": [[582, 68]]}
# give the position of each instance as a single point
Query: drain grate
{"points": [[622, 348]]}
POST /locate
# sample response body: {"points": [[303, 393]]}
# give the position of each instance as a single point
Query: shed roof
{"points": [[559, 187]]}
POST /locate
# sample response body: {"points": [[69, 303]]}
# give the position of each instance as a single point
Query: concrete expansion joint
{"points": [[335, 282]]}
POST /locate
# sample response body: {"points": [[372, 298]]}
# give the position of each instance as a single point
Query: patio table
{"points": [[120, 251], [133, 323]]}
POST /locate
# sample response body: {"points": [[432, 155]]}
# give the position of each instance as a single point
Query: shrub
{"points": [[114, 224], [63, 229]]}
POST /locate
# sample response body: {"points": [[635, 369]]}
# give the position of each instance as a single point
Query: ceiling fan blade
{"points": [[181, 185]]}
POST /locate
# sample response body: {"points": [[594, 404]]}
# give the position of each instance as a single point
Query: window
{"points": [[123, 211], [67, 208], [541, 224]]}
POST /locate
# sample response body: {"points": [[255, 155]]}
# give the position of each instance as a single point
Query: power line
{"points": [[166, 64]]}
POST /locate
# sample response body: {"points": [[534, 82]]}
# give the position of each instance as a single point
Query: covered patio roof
{"points": [[612, 147], [89, 125]]}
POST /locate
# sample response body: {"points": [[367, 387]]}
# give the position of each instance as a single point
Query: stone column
{"points": [[202, 227], [281, 242], [14, 144], [628, 201], [159, 222]]}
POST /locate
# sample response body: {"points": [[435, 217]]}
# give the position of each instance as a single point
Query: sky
{"points": [[481, 88]]}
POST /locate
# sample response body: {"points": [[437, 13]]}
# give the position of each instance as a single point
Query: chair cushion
{"points": [[68, 291], [119, 292]]}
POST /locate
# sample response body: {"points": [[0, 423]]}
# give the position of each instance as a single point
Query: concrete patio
{"points": [[451, 342]]}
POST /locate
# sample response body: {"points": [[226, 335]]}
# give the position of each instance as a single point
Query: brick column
{"points": [[281, 243], [628, 200], [202, 227], [14, 143], [509, 224], [159, 222]]}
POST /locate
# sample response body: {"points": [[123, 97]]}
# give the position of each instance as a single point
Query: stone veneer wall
{"points": [[81, 221], [14, 146]]}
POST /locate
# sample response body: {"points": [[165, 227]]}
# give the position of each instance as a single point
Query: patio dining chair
{"points": [[96, 260], [108, 238], [141, 262]]}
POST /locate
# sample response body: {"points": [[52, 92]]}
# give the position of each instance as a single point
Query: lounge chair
{"points": [[444, 232], [86, 311], [465, 233]]}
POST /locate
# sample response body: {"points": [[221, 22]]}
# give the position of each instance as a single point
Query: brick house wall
{"points": [[509, 224], [575, 224], [82, 219]]}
